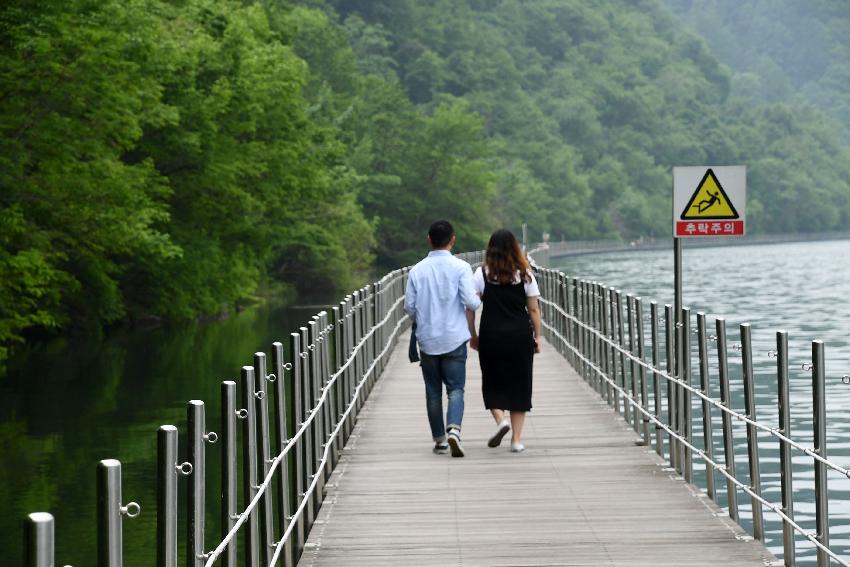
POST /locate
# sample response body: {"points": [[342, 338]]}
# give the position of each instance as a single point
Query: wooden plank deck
{"points": [[581, 494]]}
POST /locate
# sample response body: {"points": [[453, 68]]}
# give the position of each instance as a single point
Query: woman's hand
{"points": [[536, 344]]}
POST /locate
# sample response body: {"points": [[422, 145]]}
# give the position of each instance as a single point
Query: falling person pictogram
{"points": [[706, 204]]}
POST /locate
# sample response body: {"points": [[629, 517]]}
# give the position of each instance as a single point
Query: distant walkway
{"points": [[581, 494]]}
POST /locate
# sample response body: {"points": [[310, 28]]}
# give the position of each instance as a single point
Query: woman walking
{"points": [[509, 335]]}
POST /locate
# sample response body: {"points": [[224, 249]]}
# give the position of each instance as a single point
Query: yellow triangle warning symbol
{"points": [[709, 201]]}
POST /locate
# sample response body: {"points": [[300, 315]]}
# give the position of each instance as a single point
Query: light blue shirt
{"points": [[438, 289]]}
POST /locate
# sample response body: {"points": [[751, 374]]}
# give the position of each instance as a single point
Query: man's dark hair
{"points": [[440, 233]]}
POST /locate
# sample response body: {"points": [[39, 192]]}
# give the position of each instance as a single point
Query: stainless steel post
{"points": [[579, 291], [577, 330], [819, 425], [265, 512], [280, 440], [166, 496], [641, 353], [598, 382], [229, 468], [330, 401], [785, 469], [249, 464], [606, 348], [356, 364], [347, 346], [656, 390], [725, 399], [195, 502], [39, 540], [630, 322], [339, 407], [319, 419], [297, 409], [685, 375], [621, 345], [672, 389], [566, 327], [309, 432], [705, 387], [752, 432], [109, 514]]}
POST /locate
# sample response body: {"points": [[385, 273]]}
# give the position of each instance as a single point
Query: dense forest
{"points": [[782, 51], [164, 160]]}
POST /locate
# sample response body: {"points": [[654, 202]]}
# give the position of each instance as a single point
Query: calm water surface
{"points": [[802, 288], [64, 406]]}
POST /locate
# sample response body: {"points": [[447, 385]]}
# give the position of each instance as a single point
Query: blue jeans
{"points": [[448, 369]]}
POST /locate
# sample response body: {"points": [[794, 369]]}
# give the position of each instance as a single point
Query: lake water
{"points": [[65, 405], [802, 288]]}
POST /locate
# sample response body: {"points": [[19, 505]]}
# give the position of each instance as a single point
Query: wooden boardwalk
{"points": [[581, 494]]}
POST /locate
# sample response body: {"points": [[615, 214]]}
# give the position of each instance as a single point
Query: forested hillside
{"points": [[779, 50], [165, 160]]}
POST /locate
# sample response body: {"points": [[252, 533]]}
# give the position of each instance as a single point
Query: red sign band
{"points": [[710, 228]]}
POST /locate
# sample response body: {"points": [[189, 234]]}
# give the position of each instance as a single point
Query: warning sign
{"points": [[709, 201]]}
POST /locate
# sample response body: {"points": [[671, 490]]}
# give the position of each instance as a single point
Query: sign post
{"points": [[707, 201]]}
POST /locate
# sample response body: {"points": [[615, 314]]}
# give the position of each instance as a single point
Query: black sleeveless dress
{"points": [[506, 347]]}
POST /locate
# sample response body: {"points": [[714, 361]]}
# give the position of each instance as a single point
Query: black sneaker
{"points": [[441, 448], [496, 439], [454, 443]]}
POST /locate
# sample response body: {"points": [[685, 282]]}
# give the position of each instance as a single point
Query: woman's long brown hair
{"points": [[505, 258]]}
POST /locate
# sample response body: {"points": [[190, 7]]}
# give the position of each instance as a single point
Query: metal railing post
{"points": [[607, 358], [195, 496], [621, 345], [630, 323], [785, 468], [752, 432], [39, 540], [656, 390], [166, 496], [672, 388], [109, 514], [728, 441], [261, 403], [229, 488], [704, 380], [685, 376], [596, 317], [309, 433], [297, 409], [281, 369], [577, 330], [249, 464], [318, 426], [339, 407], [819, 426], [641, 354]]}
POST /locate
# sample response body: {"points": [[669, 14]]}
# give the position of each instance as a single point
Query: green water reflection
{"points": [[65, 405]]}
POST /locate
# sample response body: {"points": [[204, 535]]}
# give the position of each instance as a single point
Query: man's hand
{"points": [[473, 343]]}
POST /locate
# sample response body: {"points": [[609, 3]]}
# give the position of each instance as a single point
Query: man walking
{"points": [[441, 299]]}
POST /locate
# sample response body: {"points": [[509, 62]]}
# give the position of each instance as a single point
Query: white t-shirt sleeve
{"points": [[531, 289], [478, 280]]}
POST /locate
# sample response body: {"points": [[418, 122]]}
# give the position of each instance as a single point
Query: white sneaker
{"points": [[454, 443], [503, 428], [517, 447]]}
